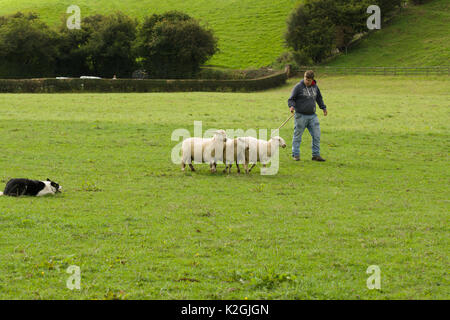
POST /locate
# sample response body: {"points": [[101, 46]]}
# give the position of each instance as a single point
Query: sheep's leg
{"points": [[227, 168], [213, 165], [183, 164], [246, 167], [238, 169], [253, 165], [237, 165], [190, 164]]}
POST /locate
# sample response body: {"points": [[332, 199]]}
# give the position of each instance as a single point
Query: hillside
{"points": [[418, 36], [250, 32]]}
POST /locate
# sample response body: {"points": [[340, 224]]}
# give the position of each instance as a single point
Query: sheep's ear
{"points": [[48, 179]]}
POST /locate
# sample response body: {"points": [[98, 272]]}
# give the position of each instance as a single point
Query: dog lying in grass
{"points": [[26, 187]]}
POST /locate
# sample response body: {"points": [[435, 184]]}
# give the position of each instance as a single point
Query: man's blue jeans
{"points": [[311, 122]]}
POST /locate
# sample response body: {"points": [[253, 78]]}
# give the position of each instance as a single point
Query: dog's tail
{"points": [[1, 193]]}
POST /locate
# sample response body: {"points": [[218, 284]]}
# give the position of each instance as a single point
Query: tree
{"points": [[27, 47], [103, 47], [73, 55], [387, 6], [169, 45], [310, 35], [317, 27], [418, 2], [110, 47], [174, 45]]}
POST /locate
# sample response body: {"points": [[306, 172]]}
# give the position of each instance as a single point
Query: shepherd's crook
{"points": [[286, 121]]}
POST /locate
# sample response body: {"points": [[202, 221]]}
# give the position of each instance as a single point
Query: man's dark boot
{"points": [[318, 158]]}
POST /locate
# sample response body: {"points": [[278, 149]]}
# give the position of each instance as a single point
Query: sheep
{"points": [[234, 151], [261, 150], [192, 147]]}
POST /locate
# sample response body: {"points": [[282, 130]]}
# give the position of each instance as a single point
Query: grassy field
{"points": [[418, 36], [250, 32], [139, 228]]}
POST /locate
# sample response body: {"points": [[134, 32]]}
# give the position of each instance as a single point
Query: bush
{"points": [[110, 47], [73, 58], [102, 47], [285, 59], [27, 47], [311, 36], [418, 2], [317, 28], [174, 45]]}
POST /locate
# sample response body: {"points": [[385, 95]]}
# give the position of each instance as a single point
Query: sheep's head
{"points": [[243, 142], [280, 141], [220, 135]]}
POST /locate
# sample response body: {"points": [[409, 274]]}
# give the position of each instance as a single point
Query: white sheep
{"points": [[234, 151], [261, 151], [203, 150]]}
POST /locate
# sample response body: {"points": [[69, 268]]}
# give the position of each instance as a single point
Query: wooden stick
{"points": [[286, 121], [282, 125]]}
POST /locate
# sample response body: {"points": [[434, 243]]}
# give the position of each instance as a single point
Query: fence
{"points": [[425, 71]]}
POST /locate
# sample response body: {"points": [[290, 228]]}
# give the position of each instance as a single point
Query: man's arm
{"points": [[320, 102], [292, 98]]}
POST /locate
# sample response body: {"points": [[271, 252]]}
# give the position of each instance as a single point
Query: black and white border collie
{"points": [[26, 187]]}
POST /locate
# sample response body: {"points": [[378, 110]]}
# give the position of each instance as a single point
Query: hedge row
{"points": [[131, 85]]}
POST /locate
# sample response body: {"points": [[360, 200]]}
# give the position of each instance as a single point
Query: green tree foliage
{"points": [[73, 58], [103, 46], [418, 2], [174, 45], [110, 47], [387, 6], [311, 36], [317, 27], [27, 47]]}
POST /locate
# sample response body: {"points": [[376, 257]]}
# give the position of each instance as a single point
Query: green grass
{"points": [[418, 36], [250, 32], [139, 228]]}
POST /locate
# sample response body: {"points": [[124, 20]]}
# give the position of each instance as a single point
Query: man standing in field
{"points": [[303, 101]]}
